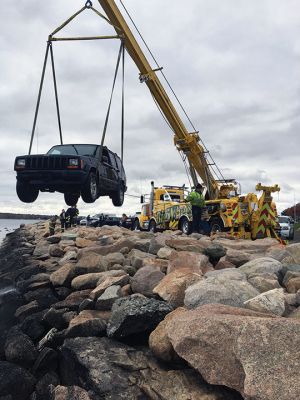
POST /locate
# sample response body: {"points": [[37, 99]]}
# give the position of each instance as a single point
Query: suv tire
{"points": [[26, 192], [71, 199], [118, 197], [90, 189]]}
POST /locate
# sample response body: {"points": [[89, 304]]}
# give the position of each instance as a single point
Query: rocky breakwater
{"points": [[111, 314]]}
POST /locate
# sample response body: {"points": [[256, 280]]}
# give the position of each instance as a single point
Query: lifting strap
{"points": [[88, 5], [121, 55]]}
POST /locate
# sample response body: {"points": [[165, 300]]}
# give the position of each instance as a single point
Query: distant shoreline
{"points": [[23, 216]]}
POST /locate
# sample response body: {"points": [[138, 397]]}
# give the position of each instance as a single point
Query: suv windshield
{"points": [[283, 220], [74, 150]]}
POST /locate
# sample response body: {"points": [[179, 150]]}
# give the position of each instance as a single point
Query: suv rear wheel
{"points": [[118, 197], [71, 199], [26, 192], [89, 192]]}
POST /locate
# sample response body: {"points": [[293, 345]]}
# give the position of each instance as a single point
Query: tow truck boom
{"points": [[185, 141]]}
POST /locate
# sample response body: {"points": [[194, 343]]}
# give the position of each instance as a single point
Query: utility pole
{"points": [[295, 211]]}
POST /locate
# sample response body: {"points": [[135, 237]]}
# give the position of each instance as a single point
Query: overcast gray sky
{"points": [[233, 63]]}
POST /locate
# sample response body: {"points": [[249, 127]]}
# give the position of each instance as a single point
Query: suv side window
{"points": [[119, 164], [105, 157], [113, 160]]}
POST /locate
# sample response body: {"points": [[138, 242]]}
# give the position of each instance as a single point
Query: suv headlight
{"points": [[21, 162], [73, 162]]}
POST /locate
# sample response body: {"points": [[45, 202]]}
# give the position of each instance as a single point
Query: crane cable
{"points": [[169, 85], [88, 5]]}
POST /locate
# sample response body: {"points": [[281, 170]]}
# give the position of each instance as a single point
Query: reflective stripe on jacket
{"points": [[196, 199]]}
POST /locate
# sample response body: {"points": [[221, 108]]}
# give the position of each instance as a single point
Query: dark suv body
{"points": [[73, 169]]}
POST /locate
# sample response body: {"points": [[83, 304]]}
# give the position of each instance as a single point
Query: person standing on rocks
{"points": [[52, 224], [62, 218], [73, 213], [197, 201]]}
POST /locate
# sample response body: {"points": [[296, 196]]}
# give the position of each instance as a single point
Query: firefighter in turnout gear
{"points": [[197, 201], [52, 224]]}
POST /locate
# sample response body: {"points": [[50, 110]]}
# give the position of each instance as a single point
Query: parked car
{"points": [[85, 170], [286, 227], [89, 220]]}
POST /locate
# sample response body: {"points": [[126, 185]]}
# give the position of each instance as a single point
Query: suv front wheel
{"points": [[71, 199], [26, 192], [89, 192]]}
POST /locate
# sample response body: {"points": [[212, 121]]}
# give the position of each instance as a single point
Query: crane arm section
{"points": [[188, 143]]}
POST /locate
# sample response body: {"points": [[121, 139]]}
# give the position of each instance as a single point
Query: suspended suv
{"points": [[86, 170]]}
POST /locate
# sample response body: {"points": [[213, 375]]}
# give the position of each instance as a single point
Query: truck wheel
{"points": [[152, 226], [71, 199], [89, 192], [118, 197], [26, 192], [185, 226], [136, 225], [216, 225]]}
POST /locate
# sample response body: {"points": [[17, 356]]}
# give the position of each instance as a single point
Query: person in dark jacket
{"points": [[197, 201], [63, 218], [73, 213]]}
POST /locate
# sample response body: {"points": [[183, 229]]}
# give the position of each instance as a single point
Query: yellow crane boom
{"points": [[185, 141]]}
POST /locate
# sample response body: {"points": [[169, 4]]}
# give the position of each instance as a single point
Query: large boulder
{"points": [[194, 262], [15, 381], [107, 299], [73, 301], [214, 252], [294, 252], [264, 282], [172, 287], [136, 314], [145, 280], [111, 259], [249, 246], [136, 258], [240, 349], [89, 262], [112, 370], [106, 282], [237, 257], [110, 248], [64, 275], [272, 302], [87, 323], [227, 286], [159, 341], [69, 393], [19, 348], [90, 281], [260, 266], [55, 250]]}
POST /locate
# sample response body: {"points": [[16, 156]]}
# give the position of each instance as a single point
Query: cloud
{"points": [[234, 66]]}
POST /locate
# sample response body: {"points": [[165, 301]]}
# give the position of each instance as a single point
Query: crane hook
{"points": [[88, 4]]}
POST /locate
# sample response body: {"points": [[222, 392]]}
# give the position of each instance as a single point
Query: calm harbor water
{"points": [[9, 225]]}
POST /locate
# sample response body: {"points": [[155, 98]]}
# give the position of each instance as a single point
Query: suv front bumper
{"points": [[53, 180]]}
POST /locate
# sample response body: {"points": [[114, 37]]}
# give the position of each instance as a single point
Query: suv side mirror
{"points": [[142, 199], [105, 159]]}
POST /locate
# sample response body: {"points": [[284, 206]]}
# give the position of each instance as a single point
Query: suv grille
{"points": [[46, 162]]}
